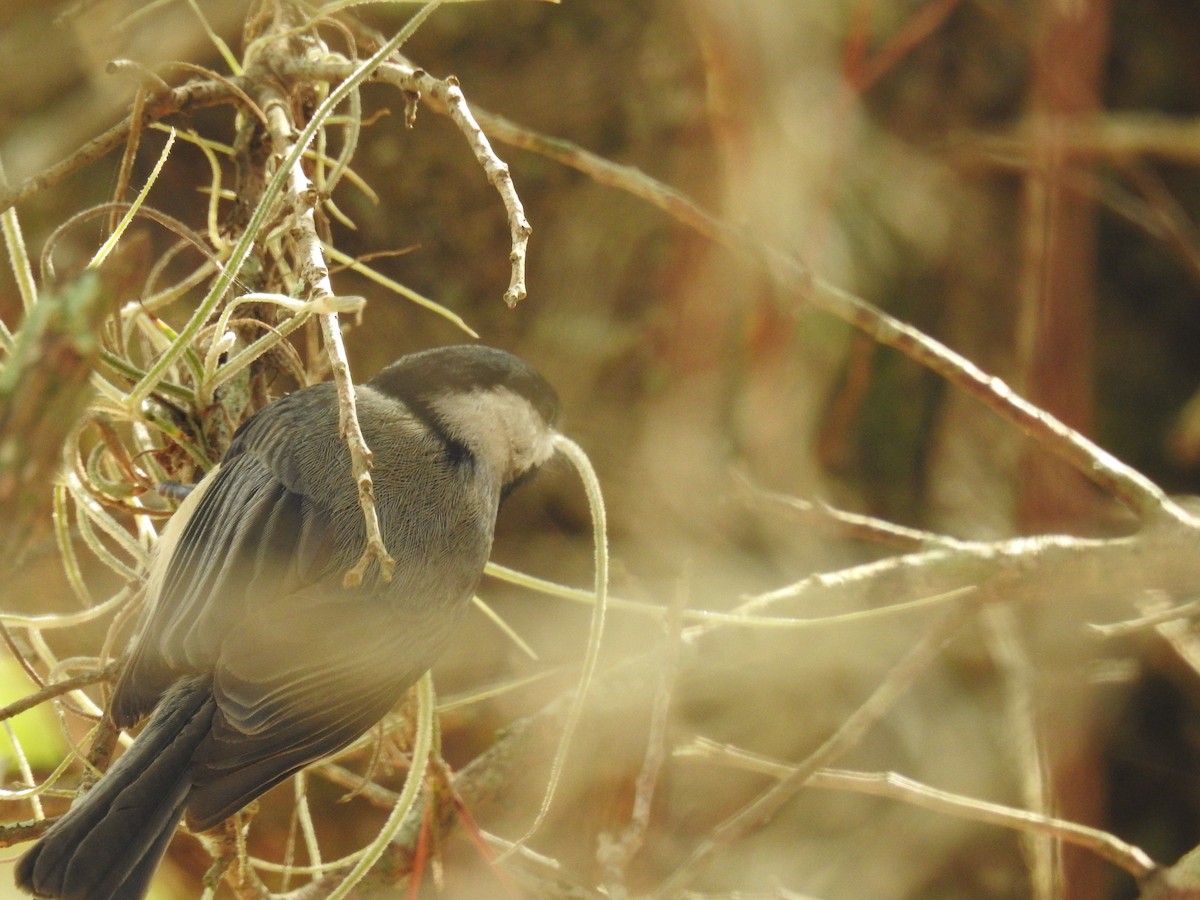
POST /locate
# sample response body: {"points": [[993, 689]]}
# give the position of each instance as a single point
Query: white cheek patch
{"points": [[501, 427]]}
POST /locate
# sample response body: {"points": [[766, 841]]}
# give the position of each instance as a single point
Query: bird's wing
{"points": [[333, 673], [252, 595], [251, 532]]}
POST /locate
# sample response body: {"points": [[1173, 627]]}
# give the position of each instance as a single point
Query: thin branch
{"points": [[314, 274], [624, 178], [1128, 857], [19, 832], [1115, 135], [448, 94], [1154, 611], [855, 525], [764, 807], [615, 854], [185, 98], [1125, 483], [445, 96], [24, 663], [57, 689], [360, 457], [1079, 563], [1018, 677]]}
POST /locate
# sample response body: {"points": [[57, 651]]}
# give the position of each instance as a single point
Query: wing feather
{"points": [[251, 594]]}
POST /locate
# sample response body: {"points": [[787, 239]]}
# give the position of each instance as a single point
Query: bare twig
{"points": [[191, 96], [615, 854], [360, 456], [1114, 135], [875, 707], [856, 525], [1017, 678], [1064, 565], [57, 689], [1154, 611], [314, 274], [1120, 480], [1128, 857], [19, 656], [1125, 483], [445, 96], [448, 94], [20, 832]]}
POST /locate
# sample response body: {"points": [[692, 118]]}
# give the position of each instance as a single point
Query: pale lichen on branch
{"points": [[269, 55], [314, 279], [446, 96]]}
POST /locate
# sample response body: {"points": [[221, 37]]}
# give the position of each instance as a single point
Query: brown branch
{"points": [[1125, 856], [20, 832], [191, 96], [764, 807], [790, 275], [57, 689]]}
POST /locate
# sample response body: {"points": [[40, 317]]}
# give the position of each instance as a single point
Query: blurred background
{"points": [[1016, 178]]}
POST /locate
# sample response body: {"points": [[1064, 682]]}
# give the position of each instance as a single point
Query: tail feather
{"points": [[108, 845]]}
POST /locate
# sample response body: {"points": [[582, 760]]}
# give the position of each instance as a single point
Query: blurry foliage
{"points": [[888, 145], [36, 729]]}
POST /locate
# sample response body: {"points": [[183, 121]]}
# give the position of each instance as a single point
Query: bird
{"points": [[253, 658]]}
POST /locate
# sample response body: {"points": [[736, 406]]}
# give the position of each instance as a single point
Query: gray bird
{"points": [[252, 656]]}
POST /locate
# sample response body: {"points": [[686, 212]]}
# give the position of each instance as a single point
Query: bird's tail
{"points": [[107, 846]]}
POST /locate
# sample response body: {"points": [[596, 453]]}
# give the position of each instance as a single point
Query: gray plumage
{"points": [[253, 657]]}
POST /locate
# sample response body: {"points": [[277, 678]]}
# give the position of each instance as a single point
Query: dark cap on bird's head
{"points": [[442, 387], [464, 368]]}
